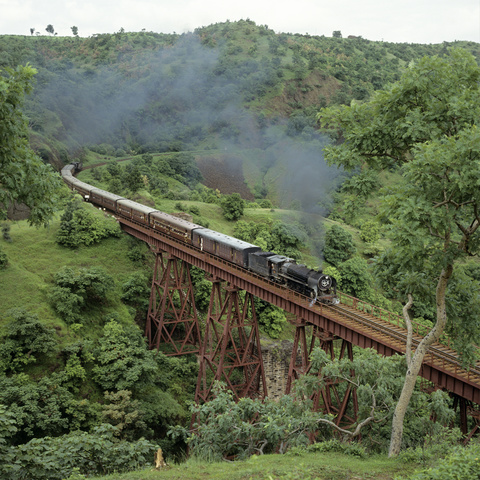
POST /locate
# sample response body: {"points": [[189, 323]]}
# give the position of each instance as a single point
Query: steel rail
{"points": [[437, 355]]}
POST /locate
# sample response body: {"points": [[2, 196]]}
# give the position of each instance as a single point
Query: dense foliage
{"points": [[24, 178], [74, 292], [426, 126], [80, 226], [157, 102], [224, 428]]}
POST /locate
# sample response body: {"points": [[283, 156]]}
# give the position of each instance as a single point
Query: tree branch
{"points": [[408, 322]]}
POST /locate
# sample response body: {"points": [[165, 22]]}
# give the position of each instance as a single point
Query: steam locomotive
{"points": [[277, 268]]}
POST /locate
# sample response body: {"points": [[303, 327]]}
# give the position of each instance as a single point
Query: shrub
{"points": [[6, 232], [25, 340], [266, 203], [338, 245], [356, 278], [77, 290], [232, 206], [123, 361], [273, 320], [136, 290], [370, 231], [79, 226], [462, 463], [223, 427], [96, 453], [3, 260]]}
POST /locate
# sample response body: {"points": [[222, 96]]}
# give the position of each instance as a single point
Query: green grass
{"points": [[34, 257], [305, 466]]}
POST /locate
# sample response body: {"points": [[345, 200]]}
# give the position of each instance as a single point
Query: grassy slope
{"points": [[34, 258], [306, 466]]}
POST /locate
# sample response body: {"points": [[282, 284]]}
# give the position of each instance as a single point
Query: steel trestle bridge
{"points": [[230, 349]]}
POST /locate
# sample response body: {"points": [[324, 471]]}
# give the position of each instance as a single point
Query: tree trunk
{"points": [[404, 400], [413, 368]]}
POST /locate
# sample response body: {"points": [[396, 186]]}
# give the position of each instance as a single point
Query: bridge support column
{"points": [[469, 414], [172, 317], [231, 351], [332, 399]]}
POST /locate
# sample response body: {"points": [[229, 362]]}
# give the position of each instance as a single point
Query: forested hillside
{"points": [[228, 88], [221, 123]]}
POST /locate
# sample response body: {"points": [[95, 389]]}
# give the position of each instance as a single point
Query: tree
{"points": [[356, 279], [339, 245], [124, 414], [123, 360], [136, 291], [79, 225], [75, 31], [50, 29], [25, 340], [75, 291], [132, 178], [232, 206], [426, 125], [24, 178], [378, 382]]}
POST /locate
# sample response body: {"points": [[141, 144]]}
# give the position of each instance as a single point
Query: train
{"points": [[280, 269]]}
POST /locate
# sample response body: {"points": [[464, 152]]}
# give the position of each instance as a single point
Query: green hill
{"points": [[177, 122]]}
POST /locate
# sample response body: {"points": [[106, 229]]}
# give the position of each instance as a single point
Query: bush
{"points": [[353, 449], [3, 260], [79, 226], [136, 291], [370, 231], [356, 278], [194, 210], [223, 427], [96, 453], [273, 320], [232, 206], [462, 463], [338, 245], [25, 340], [41, 407], [77, 290], [123, 361], [6, 232]]}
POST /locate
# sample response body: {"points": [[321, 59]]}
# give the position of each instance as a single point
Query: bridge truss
{"points": [[231, 347]]}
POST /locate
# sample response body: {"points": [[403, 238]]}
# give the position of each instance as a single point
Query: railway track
{"points": [[439, 355]]}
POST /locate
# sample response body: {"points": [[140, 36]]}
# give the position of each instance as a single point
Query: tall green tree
{"points": [[24, 178], [426, 125]]}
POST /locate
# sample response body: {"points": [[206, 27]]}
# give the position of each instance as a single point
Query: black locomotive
{"points": [[277, 268]]}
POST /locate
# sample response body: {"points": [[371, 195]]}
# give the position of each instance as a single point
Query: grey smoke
{"points": [[180, 95]]}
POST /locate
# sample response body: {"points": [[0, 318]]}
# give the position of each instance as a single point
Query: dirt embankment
{"points": [[225, 174]]}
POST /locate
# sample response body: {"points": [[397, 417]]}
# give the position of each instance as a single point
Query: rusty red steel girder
{"points": [[172, 316], [441, 365], [231, 351], [329, 399]]}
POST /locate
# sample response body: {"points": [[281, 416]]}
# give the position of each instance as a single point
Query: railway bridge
{"points": [[230, 349]]}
